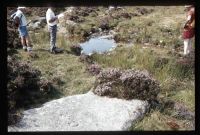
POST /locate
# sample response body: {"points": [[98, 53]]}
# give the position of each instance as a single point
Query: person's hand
{"points": [[53, 19], [60, 15], [186, 26]]}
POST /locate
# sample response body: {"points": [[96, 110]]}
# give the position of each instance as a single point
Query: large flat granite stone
{"points": [[85, 112]]}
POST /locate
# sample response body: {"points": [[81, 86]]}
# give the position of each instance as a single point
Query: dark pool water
{"points": [[98, 44]]}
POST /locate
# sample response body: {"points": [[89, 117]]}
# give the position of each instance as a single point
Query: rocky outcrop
{"points": [[86, 112]]}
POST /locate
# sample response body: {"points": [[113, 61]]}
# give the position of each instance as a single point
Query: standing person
{"points": [[22, 28], [188, 32], [52, 21]]}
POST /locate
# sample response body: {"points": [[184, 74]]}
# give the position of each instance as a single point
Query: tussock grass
{"points": [[186, 96], [157, 121], [138, 57], [176, 84], [160, 27]]}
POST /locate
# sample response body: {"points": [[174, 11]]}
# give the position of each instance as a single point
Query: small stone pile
{"points": [[126, 84]]}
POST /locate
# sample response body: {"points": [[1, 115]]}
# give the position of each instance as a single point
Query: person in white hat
{"points": [[52, 21], [188, 32], [22, 28]]}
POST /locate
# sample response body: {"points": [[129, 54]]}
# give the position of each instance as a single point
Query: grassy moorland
{"points": [[149, 40], [65, 66]]}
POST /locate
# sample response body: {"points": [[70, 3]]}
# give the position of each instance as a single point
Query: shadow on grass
{"points": [[42, 50], [12, 51], [33, 99], [48, 51], [68, 52], [36, 99]]}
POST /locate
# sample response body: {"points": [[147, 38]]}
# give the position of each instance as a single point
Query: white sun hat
{"points": [[187, 6], [21, 7]]}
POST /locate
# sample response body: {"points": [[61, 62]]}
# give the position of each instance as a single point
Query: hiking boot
{"points": [[29, 49], [56, 50], [25, 48], [53, 51]]}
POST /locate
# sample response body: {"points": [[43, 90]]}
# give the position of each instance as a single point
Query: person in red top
{"points": [[188, 32]]}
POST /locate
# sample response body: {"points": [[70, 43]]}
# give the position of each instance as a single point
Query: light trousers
{"points": [[187, 46]]}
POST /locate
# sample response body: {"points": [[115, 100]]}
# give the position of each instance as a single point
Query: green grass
{"points": [[66, 66], [156, 121], [186, 96], [174, 83], [146, 28]]}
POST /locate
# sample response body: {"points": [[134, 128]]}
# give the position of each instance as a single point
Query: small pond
{"points": [[98, 44]]}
